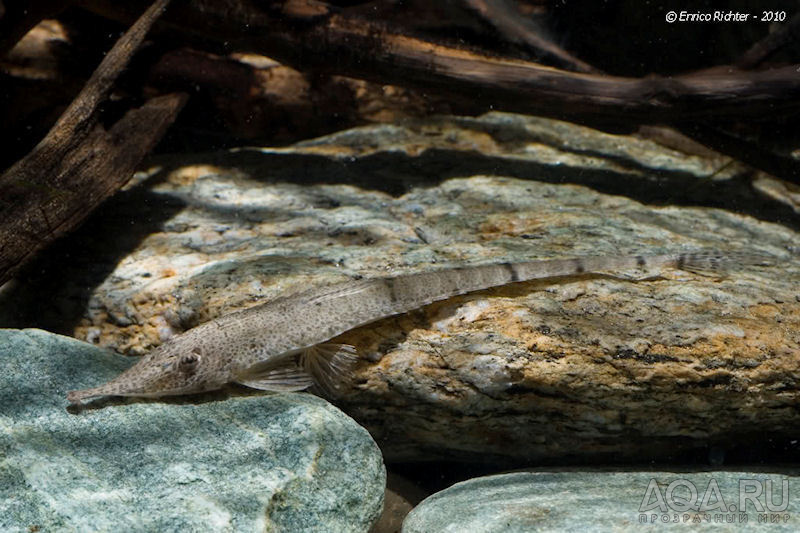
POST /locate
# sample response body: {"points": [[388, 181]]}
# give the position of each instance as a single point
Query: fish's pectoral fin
{"points": [[281, 376], [331, 366]]}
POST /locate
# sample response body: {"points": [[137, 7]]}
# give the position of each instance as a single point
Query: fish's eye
{"points": [[189, 360]]}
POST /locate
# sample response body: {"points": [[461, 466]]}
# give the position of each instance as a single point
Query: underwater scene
{"points": [[394, 266]]}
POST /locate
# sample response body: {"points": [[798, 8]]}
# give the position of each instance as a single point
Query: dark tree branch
{"points": [[362, 48], [750, 152], [79, 164]]}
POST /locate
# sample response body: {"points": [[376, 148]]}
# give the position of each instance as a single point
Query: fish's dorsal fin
{"points": [[277, 376], [331, 366], [339, 290]]}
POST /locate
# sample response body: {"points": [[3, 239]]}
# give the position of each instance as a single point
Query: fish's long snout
{"points": [[76, 397], [119, 386]]}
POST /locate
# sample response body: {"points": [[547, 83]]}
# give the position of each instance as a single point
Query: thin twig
{"points": [[518, 29], [770, 44]]}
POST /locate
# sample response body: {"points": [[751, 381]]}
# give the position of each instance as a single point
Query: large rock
{"points": [[588, 366], [611, 501], [262, 463]]}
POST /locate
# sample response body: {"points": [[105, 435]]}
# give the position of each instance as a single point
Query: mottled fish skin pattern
{"points": [[229, 348]]}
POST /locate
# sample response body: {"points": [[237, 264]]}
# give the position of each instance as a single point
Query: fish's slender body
{"points": [[280, 345]]}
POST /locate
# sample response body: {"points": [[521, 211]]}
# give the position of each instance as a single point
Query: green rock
{"points": [[525, 502], [289, 462]]}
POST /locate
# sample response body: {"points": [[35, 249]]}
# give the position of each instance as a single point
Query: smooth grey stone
{"points": [[526, 502], [287, 462]]}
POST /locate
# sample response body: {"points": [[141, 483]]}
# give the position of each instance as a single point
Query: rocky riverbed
{"points": [[603, 367]]}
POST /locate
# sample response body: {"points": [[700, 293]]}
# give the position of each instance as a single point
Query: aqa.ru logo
{"points": [[682, 496]]}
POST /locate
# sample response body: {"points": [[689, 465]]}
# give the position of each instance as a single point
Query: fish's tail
{"points": [[720, 263]]}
